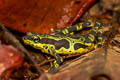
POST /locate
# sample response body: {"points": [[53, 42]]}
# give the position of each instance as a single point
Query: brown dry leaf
{"points": [[116, 43], [38, 15], [95, 65]]}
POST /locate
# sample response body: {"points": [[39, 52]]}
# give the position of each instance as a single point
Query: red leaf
{"points": [[10, 59], [39, 15]]}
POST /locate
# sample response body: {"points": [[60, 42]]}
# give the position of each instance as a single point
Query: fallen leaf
{"points": [[10, 60], [38, 15]]}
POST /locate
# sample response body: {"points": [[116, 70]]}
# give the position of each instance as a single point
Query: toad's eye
{"points": [[36, 39]]}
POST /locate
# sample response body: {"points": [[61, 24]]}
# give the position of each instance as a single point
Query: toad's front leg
{"points": [[57, 62]]}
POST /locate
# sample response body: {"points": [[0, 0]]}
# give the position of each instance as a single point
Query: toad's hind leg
{"points": [[99, 38], [95, 36], [76, 27]]}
